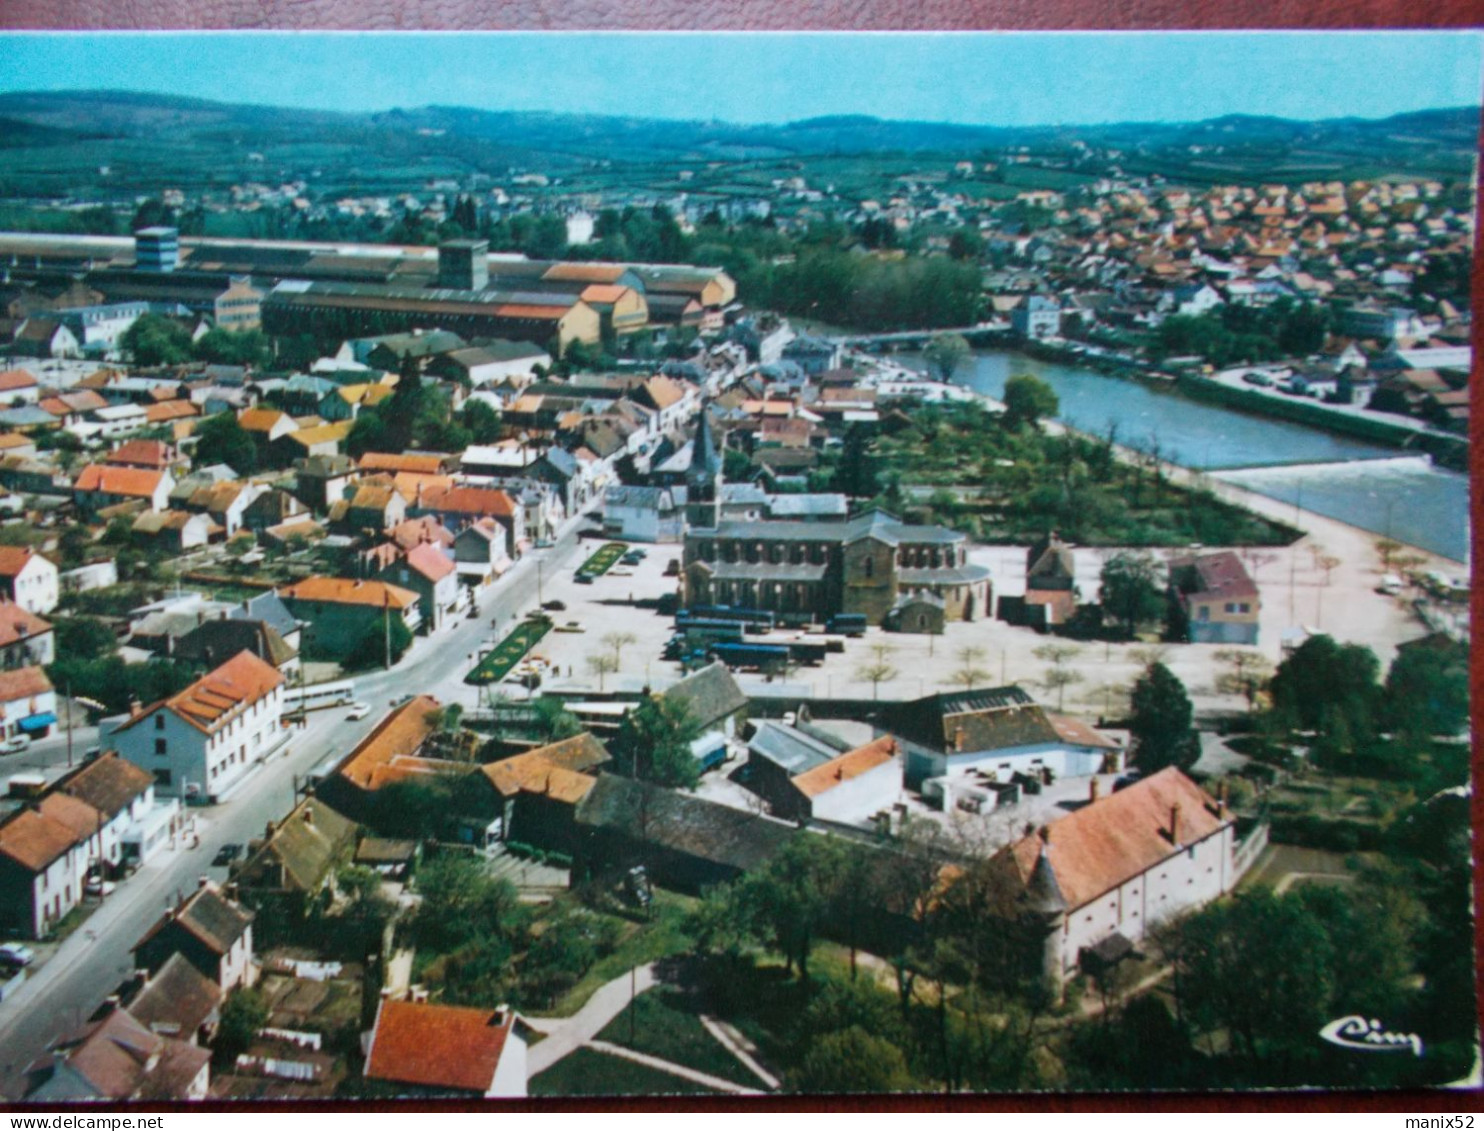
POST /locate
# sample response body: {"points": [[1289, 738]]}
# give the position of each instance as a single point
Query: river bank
{"points": [[1340, 477]]}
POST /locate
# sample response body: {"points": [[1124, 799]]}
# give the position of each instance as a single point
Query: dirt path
{"points": [[564, 1035], [673, 1069]]}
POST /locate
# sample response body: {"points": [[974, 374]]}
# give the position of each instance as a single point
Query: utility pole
{"points": [[386, 620], [69, 725]]}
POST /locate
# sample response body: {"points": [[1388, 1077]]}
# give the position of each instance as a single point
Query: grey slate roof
{"points": [[708, 696], [951, 575], [812, 505], [968, 722], [766, 571], [793, 750], [270, 609], [681, 822]]}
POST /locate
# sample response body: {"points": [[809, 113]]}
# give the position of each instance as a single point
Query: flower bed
{"points": [[497, 664], [604, 559]]}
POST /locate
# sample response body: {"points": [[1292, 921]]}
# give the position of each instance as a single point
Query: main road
{"points": [[67, 986]]}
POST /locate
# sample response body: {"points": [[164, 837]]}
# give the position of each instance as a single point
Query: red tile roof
{"points": [[437, 1046], [402, 733], [1220, 576], [212, 699], [23, 683], [467, 501], [140, 453], [34, 841], [13, 559], [852, 764], [430, 561], [344, 591], [1110, 841], [13, 379], [131, 482]]}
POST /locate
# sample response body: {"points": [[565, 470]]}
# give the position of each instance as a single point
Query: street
{"points": [[65, 989]]}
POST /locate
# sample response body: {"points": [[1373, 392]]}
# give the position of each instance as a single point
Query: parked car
{"points": [[620, 573], [555, 606], [17, 954], [225, 855], [571, 626], [583, 579], [96, 887], [358, 711], [672, 569], [17, 745]]}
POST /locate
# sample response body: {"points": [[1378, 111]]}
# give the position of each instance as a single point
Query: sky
{"points": [[1010, 79]]}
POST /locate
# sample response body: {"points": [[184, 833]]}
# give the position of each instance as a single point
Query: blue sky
{"points": [[990, 78]]}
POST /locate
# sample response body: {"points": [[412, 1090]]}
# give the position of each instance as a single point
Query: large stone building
{"points": [[861, 566]]}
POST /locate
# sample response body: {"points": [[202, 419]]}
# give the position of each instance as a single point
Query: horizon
{"points": [[984, 80]]}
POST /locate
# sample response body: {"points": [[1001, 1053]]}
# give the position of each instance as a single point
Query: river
{"points": [[1371, 486]]}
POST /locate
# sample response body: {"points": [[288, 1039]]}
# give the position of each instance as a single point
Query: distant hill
{"points": [[148, 136]]}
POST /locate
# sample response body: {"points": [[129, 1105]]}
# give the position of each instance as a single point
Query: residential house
{"points": [[457, 506], [284, 873], [179, 1001], [489, 364], [812, 355], [1219, 601], [153, 455], [123, 796], [29, 579], [222, 637], [321, 481], [537, 792], [642, 514], [341, 612], [1039, 316], [481, 552], [45, 337], [211, 931], [202, 741], [265, 425], [17, 387], [25, 639], [425, 1049], [176, 531], [99, 486], [373, 506], [430, 573], [1050, 586], [396, 751], [28, 703], [118, 1059]]}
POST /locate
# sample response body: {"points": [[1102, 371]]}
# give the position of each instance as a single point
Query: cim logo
{"points": [[1355, 1032]]}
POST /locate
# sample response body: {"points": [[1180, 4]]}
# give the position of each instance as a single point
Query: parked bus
{"points": [[755, 620], [318, 696], [761, 657], [846, 624]]}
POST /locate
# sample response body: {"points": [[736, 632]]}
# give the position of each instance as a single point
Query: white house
{"points": [[25, 639], [17, 387], [444, 1050], [29, 579], [203, 740], [28, 703], [210, 931], [642, 514]]}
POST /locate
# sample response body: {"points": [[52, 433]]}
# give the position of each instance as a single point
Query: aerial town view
{"points": [[578, 565]]}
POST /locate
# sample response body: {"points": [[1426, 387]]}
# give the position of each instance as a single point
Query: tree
{"points": [[388, 634], [481, 421], [233, 347], [1160, 725], [1427, 689], [945, 353], [852, 1060], [84, 638], [153, 339], [1248, 671], [1058, 677], [618, 641], [654, 743], [243, 1014], [601, 665], [1130, 591], [1330, 688], [879, 669], [1257, 965], [794, 894], [968, 671], [461, 901], [221, 439], [1027, 400]]}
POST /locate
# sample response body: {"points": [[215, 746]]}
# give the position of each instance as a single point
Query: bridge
{"points": [[904, 339]]}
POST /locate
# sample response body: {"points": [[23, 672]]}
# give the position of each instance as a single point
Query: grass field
{"points": [[604, 559], [666, 1024], [588, 1072], [496, 666]]}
